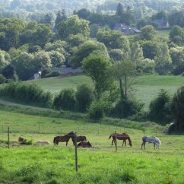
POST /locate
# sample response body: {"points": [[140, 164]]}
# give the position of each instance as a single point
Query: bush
{"points": [[126, 107], [84, 97], [96, 110], [65, 100], [159, 109], [2, 79], [26, 93]]}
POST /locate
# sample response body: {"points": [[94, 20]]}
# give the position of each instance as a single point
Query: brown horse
{"points": [[78, 139], [64, 138], [123, 136], [84, 144]]}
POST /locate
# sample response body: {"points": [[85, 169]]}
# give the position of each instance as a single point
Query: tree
{"points": [[85, 50], [159, 109], [9, 33], [73, 25], [42, 61], [121, 71], [83, 13], [150, 49], [162, 59], [177, 55], [116, 54], [147, 33], [58, 46], [4, 59], [9, 72], [176, 35], [76, 40], [97, 67], [177, 107], [24, 66], [36, 34], [119, 9], [113, 39], [60, 17], [57, 59]]}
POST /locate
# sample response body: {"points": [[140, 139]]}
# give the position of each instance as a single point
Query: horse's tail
{"points": [[85, 138], [110, 136]]}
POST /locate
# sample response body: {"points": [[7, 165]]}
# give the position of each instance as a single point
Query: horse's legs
{"points": [[66, 143], [125, 142], [154, 145], [143, 145], [112, 141]]}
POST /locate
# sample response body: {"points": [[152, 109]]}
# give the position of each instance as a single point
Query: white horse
{"points": [[155, 140]]}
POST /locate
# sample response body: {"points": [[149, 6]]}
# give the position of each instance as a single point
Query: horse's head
{"points": [[71, 134], [130, 142]]}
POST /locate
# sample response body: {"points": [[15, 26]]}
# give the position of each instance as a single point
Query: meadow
{"points": [[100, 164], [145, 87]]}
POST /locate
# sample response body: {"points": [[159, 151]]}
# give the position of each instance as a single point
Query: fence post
{"points": [[8, 137], [76, 156], [115, 143]]}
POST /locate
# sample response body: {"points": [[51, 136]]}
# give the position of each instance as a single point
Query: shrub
{"points": [[126, 107], [2, 79], [97, 109], [65, 100], [84, 97], [159, 109], [27, 93]]}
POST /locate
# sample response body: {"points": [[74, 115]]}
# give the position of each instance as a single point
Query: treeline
{"points": [[29, 47]]}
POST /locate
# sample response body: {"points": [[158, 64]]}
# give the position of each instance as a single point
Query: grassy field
{"points": [[145, 87], [100, 164]]}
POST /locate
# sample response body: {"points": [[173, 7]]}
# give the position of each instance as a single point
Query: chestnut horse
{"points": [[122, 136], [64, 138], [78, 139]]}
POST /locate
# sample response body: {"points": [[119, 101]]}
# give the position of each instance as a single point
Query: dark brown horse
{"points": [[64, 138], [84, 144], [123, 136], [78, 139]]}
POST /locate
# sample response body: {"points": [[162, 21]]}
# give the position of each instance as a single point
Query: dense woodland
{"points": [[88, 40]]}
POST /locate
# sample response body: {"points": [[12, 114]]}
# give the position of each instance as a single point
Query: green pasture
{"points": [[145, 87], [100, 164]]}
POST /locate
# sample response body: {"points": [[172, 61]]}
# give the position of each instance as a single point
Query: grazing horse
{"points": [[155, 140], [78, 139], [64, 138], [122, 136], [84, 144]]}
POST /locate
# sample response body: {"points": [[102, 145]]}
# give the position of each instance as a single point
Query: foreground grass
{"points": [[56, 165], [146, 87], [100, 164]]}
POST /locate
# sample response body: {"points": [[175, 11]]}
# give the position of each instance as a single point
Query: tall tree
{"points": [[119, 9], [97, 67], [73, 25]]}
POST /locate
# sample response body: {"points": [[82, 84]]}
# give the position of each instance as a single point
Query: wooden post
{"points": [[76, 156], [115, 143], [8, 137]]}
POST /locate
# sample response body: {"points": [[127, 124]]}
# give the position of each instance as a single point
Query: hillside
{"points": [[145, 87]]}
